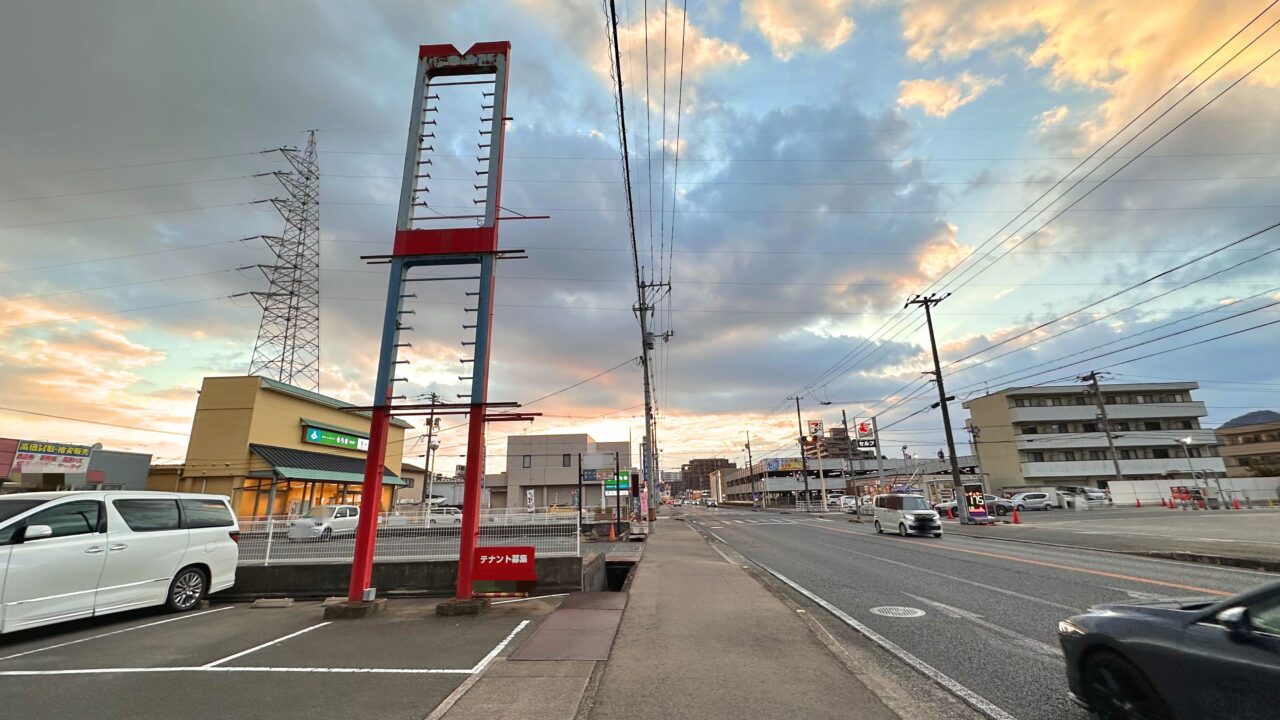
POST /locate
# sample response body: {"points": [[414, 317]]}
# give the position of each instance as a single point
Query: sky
{"points": [[832, 159]]}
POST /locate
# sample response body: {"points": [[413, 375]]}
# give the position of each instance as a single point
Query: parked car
{"points": [[325, 522], [834, 501], [849, 503], [1034, 501], [910, 514], [713, 504], [69, 555], [453, 516], [996, 505], [1136, 659]]}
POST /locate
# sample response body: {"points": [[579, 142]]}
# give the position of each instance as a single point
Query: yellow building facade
{"points": [[278, 449]]}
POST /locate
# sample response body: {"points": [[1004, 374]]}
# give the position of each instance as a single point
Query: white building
{"points": [[1052, 435], [548, 465]]}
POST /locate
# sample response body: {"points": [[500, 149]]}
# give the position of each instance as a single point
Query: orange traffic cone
{"points": [[1235, 503], [1173, 505], [1016, 520], [612, 536], [1137, 502]]}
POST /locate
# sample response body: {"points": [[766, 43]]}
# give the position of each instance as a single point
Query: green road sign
{"points": [[620, 485]]}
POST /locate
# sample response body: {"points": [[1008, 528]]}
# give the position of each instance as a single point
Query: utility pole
{"points": [[751, 472], [643, 309], [875, 430], [848, 442], [426, 457], [928, 302], [804, 463], [1096, 391]]}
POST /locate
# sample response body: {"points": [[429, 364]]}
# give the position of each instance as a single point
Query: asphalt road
{"points": [[989, 608]]}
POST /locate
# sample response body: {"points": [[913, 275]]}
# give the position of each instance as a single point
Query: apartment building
{"points": [[696, 474], [1052, 435], [549, 466], [1250, 444]]}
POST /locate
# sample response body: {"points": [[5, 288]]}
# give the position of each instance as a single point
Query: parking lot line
{"points": [[494, 652], [267, 644], [113, 632]]}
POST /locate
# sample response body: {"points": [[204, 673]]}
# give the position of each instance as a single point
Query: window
{"points": [[1019, 402], [202, 513], [526, 461], [1035, 457], [1055, 402], [1120, 426], [73, 518], [1097, 455], [1182, 425], [1110, 399], [1128, 455], [1061, 428], [1030, 430], [1265, 615], [1039, 402], [566, 460], [1160, 454], [1090, 427], [1194, 452], [149, 515], [1151, 426], [1079, 401], [1168, 399]]}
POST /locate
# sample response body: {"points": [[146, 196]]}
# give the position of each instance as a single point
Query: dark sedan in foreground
{"points": [[1193, 659]]}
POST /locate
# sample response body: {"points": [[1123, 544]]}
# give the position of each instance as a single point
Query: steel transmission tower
{"points": [[288, 345]]}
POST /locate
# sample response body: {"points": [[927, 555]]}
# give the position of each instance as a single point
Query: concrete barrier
{"points": [[428, 579]]}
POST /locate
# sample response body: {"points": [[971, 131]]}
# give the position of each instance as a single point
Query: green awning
{"points": [[291, 464]]}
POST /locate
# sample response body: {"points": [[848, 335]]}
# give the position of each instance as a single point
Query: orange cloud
{"points": [[792, 26], [1132, 50], [941, 97]]}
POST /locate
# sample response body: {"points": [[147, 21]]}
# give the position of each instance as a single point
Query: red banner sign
{"points": [[511, 562]]}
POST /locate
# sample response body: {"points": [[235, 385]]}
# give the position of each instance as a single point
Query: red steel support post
{"points": [[370, 504]]}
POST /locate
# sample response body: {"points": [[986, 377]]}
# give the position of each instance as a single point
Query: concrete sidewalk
{"points": [[702, 638]]}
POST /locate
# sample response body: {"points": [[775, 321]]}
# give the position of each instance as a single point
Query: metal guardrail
{"points": [[405, 536]]}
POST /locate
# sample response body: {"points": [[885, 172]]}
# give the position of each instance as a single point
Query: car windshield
{"points": [[320, 513], [9, 507], [912, 502]]}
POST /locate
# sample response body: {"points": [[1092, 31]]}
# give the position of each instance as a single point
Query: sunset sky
{"points": [[834, 158]]}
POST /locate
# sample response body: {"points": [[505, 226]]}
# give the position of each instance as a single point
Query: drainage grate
{"points": [[900, 612]]}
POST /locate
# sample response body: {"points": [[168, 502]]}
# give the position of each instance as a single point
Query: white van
{"points": [[908, 514], [323, 522], [69, 555]]}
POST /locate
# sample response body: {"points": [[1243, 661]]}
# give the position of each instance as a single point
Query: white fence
{"points": [[1253, 490], [404, 536]]}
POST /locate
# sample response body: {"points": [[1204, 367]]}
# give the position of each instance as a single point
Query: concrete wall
{"points": [[997, 454], [438, 579], [1257, 489]]}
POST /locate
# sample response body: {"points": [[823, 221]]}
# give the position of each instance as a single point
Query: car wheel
{"points": [[1047, 507], [187, 590], [902, 529], [326, 535], [1117, 690], [878, 528], [1002, 510], [1021, 508]]}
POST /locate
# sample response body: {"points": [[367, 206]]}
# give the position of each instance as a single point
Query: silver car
{"points": [[324, 522], [1034, 501]]}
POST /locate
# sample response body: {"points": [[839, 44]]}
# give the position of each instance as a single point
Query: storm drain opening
{"points": [[616, 575], [897, 611]]}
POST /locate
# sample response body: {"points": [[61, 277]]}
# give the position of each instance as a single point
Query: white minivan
{"points": [[908, 514], [68, 555]]}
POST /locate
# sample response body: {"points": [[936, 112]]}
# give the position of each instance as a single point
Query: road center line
{"points": [[267, 644], [1057, 566], [113, 632]]}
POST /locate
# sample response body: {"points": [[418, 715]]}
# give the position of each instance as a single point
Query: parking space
{"points": [[236, 661]]}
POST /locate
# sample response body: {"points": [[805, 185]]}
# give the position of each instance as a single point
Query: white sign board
{"points": [[528, 500], [863, 428]]}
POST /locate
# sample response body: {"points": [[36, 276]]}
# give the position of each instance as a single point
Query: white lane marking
{"points": [[114, 632], [267, 644], [976, 701], [498, 648], [234, 669], [1035, 646], [967, 581], [716, 527], [535, 597]]}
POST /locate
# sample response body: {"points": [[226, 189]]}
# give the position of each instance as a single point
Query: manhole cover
{"points": [[901, 612]]}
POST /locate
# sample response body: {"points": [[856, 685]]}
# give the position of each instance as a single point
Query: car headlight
{"points": [[1066, 627]]}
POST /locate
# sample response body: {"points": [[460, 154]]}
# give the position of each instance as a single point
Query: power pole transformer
{"points": [[288, 344]]}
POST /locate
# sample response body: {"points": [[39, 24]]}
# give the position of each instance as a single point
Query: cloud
{"points": [[940, 97], [1052, 117], [793, 26], [1132, 51]]}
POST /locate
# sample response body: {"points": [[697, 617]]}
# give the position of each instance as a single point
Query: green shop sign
{"points": [[346, 441]]}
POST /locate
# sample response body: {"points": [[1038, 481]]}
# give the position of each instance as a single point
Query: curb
{"points": [[1176, 555]]}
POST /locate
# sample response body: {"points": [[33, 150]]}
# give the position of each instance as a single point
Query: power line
{"points": [[93, 422]]}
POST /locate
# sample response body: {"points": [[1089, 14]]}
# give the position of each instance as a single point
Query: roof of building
{"points": [[1075, 389], [293, 464], [1257, 417], [319, 399]]}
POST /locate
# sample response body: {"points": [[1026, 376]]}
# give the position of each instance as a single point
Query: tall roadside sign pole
{"points": [[804, 463], [957, 485], [1096, 392], [751, 470]]}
